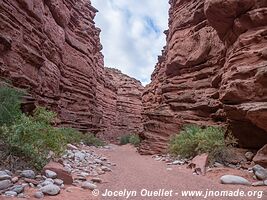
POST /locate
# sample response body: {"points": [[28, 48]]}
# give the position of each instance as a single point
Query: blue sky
{"points": [[132, 34]]}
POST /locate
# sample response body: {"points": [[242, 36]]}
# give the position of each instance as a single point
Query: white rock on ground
{"points": [[88, 185], [260, 172], [10, 193], [58, 182], [50, 174], [259, 183], [48, 181], [72, 147], [5, 184], [17, 188], [249, 156], [4, 176], [235, 180], [96, 180], [50, 189], [28, 174], [39, 195]]}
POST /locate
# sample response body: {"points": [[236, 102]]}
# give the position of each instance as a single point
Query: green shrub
{"points": [[193, 140], [33, 139], [10, 100], [133, 139], [124, 139], [90, 140]]}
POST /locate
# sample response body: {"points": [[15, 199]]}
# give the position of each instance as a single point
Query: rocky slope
{"points": [[52, 49], [212, 71]]}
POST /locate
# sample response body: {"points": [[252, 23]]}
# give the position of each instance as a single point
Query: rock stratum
{"points": [[52, 49], [213, 71]]}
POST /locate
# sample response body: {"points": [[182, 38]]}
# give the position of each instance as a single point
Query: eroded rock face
{"points": [[211, 72], [52, 48]]}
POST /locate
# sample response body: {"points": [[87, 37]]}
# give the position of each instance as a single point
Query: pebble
{"points": [[178, 162], [15, 179], [48, 181], [58, 182], [235, 180], [217, 164], [39, 195], [79, 155], [96, 180], [106, 169], [260, 172], [10, 193], [249, 156], [88, 185], [21, 195], [259, 183], [50, 174], [50, 189], [5, 184], [28, 174], [4, 176], [72, 147], [8, 172], [17, 188]]}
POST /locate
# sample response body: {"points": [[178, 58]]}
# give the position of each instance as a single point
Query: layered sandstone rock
{"points": [[121, 104], [211, 72], [52, 49]]}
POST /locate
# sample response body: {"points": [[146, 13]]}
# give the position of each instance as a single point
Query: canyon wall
{"points": [[52, 49], [212, 71]]}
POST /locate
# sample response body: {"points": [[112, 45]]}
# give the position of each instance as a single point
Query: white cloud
{"points": [[132, 34]]}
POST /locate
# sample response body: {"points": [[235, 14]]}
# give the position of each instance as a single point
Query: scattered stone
{"points": [[58, 182], [199, 164], [261, 157], [39, 195], [48, 181], [8, 172], [72, 147], [79, 155], [260, 172], [50, 174], [28, 174], [249, 156], [217, 164], [232, 166], [96, 180], [50, 189], [31, 185], [61, 173], [5, 184], [17, 188], [235, 180], [10, 194], [103, 159], [15, 179], [32, 181], [4, 176], [88, 185], [106, 169], [98, 161], [84, 174], [178, 162], [22, 195], [259, 183]]}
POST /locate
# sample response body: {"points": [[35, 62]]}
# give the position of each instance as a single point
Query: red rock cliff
{"points": [[52, 48], [213, 70]]}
